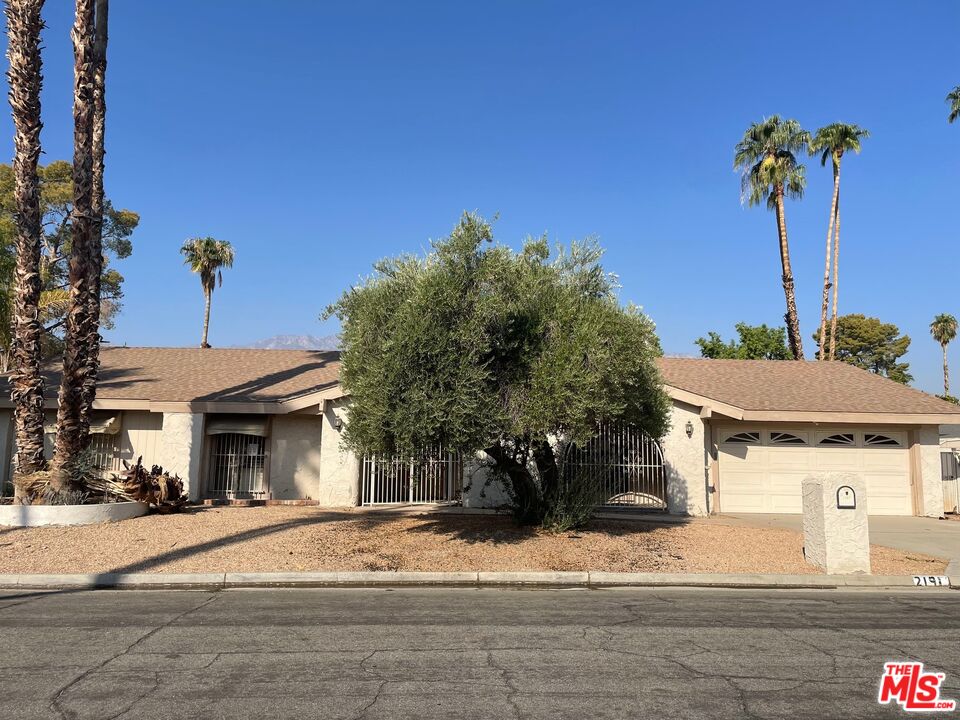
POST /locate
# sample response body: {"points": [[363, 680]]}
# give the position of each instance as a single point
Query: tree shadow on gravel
{"points": [[500, 529]]}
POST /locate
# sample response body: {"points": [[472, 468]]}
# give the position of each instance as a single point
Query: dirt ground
{"points": [[265, 539]]}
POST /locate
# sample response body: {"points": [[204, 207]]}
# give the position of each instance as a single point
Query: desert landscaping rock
{"points": [[307, 539]]}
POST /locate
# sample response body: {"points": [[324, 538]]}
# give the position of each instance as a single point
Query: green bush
{"points": [[576, 497]]}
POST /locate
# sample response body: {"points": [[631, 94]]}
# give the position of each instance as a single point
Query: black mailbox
{"points": [[846, 498]]}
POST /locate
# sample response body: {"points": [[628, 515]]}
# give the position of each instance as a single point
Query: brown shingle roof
{"points": [[788, 386], [211, 375], [185, 375]]}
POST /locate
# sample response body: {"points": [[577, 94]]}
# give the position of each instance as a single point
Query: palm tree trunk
{"points": [[24, 77], [946, 371], [208, 295], [836, 282], [791, 317], [96, 238], [72, 432], [822, 338]]}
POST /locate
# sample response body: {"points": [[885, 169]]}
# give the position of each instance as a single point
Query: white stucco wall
{"points": [[685, 459], [295, 452], [931, 474], [181, 448], [339, 481]]}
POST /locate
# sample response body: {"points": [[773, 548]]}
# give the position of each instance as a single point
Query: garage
{"points": [[761, 469]]}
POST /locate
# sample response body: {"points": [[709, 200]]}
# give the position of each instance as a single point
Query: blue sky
{"points": [[318, 137]]}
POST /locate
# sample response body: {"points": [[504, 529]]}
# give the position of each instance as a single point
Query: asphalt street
{"points": [[466, 653]]}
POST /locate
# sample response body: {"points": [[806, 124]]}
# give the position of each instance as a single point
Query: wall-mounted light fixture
{"points": [[689, 429], [338, 423]]}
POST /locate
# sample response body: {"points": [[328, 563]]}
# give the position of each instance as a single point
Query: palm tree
{"points": [[206, 257], [944, 330], [832, 142], [96, 236], [767, 159], [25, 79], [953, 97], [72, 435]]}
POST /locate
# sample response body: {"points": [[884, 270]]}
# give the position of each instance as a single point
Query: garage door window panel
{"points": [[787, 438], [751, 437], [837, 440], [881, 440]]}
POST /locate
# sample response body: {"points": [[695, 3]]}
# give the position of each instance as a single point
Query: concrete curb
{"points": [[219, 581]]}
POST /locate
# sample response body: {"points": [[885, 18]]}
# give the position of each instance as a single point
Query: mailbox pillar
{"points": [[835, 533]]}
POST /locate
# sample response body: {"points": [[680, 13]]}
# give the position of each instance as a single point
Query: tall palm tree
{"points": [[25, 79], [72, 435], [767, 159], [96, 203], [207, 257], [944, 331], [832, 142], [953, 97]]}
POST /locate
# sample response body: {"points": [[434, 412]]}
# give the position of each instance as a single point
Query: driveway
{"points": [[940, 538]]}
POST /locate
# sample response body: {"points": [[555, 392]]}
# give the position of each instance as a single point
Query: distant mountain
{"points": [[296, 342]]}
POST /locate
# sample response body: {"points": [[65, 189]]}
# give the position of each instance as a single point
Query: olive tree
{"points": [[475, 347]]}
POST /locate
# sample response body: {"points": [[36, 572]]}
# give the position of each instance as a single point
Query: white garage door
{"points": [[761, 470]]}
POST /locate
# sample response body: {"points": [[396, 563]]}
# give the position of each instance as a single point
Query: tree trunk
{"points": [[24, 77], [523, 488], [836, 283], [825, 303], [791, 317], [208, 295], [96, 234], [946, 371], [72, 432]]}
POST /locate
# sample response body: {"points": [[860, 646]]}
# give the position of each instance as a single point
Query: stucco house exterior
{"points": [[265, 424]]}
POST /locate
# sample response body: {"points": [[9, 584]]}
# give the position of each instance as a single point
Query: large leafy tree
{"points": [[944, 331], [56, 205], [475, 347], [21, 228], [207, 257], [757, 342], [831, 142], [872, 345], [767, 159], [953, 100]]}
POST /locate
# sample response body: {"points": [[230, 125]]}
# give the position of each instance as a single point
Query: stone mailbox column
{"points": [[835, 533]]}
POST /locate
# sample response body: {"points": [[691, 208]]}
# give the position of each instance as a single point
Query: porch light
{"points": [[689, 429]]}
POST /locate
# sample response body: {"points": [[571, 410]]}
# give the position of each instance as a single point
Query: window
{"points": [[785, 438], [106, 452], [838, 439], [744, 438], [237, 465], [883, 440]]}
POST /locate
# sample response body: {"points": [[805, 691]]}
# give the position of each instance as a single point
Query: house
{"points": [[266, 424]]}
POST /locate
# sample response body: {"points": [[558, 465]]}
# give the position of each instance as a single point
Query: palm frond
{"points": [[953, 98], [766, 156], [944, 328]]}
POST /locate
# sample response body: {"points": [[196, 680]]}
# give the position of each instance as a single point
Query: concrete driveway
{"points": [[939, 538]]}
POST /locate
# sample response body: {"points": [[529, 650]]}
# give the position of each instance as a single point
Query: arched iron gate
{"points": [[629, 464]]}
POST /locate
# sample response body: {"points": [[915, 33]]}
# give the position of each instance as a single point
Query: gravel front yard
{"points": [[266, 539]]}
